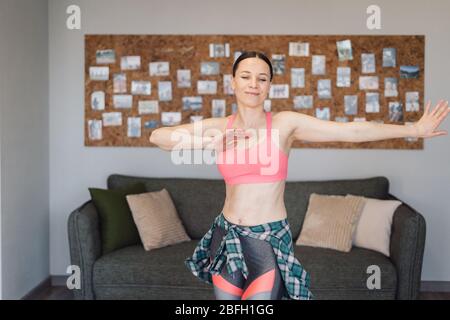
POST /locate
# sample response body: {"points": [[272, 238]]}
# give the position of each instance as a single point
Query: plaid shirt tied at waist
{"points": [[229, 254]]}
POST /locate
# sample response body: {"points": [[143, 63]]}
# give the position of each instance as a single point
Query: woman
{"points": [[248, 252]]}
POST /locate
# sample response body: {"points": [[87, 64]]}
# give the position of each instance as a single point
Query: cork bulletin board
{"points": [[132, 82]]}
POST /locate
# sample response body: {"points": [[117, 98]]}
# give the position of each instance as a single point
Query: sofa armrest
{"points": [[85, 246], [407, 246]]}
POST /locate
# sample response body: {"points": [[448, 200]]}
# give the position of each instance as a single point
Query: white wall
{"points": [[420, 178], [2, 94], [24, 146]]}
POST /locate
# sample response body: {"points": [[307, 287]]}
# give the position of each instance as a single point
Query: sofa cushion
{"points": [[117, 226], [135, 266], [330, 221], [334, 275], [344, 275], [373, 230], [156, 219]]}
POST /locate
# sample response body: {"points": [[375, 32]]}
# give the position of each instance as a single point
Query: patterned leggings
{"points": [[264, 280]]}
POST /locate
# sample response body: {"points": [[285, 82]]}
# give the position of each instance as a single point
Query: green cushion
{"points": [[117, 226]]}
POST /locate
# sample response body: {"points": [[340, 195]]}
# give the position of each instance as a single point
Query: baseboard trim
{"points": [[59, 280], [425, 286], [46, 283], [435, 286]]}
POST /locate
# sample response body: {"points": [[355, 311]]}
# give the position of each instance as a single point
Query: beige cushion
{"points": [[330, 222], [156, 219], [373, 230]]}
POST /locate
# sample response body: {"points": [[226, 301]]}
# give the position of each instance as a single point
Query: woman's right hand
{"points": [[224, 141]]}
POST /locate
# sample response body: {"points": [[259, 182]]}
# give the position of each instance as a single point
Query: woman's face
{"points": [[251, 82]]}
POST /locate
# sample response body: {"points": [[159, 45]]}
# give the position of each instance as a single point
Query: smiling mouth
{"points": [[253, 94]]}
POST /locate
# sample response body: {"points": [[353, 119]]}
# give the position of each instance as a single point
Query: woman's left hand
{"points": [[427, 125]]}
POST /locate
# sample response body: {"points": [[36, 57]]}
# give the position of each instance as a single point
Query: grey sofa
{"points": [[133, 273]]}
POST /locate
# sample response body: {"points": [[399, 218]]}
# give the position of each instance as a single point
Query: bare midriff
{"points": [[255, 203], [251, 204]]}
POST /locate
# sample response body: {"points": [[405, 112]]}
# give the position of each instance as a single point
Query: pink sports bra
{"points": [[255, 164]]}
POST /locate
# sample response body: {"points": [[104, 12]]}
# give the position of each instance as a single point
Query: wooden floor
{"points": [[62, 293]]}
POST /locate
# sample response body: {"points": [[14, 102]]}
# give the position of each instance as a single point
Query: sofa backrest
{"points": [[199, 201]]}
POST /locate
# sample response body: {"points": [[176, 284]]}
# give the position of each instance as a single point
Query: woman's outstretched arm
{"points": [[186, 136], [424, 128], [304, 127]]}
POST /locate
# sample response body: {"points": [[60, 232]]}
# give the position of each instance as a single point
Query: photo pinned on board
{"points": [[344, 49], [299, 49], [95, 129], [279, 91], [141, 87], [184, 78], [368, 82], [171, 118], [151, 124], [219, 50], [192, 103], [390, 87], [209, 68], [278, 63], [323, 113], [318, 64], [134, 127], [412, 101], [303, 102], [343, 77], [267, 105], [119, 83], [148, 106], [409, 72], [112, 119], [159, 68], [297, 77], [227, 88], [341, 119], [218, 108], [207, 87], [105, 56], [98, 100], [395, 111], [130, 63], [99, 73], [122, 101], [389, 57], [372, 102], [351, 105], [324, 88], [165, 90], [368, 62]]}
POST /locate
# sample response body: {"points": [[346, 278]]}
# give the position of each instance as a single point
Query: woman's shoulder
{"points": [[281, 122], [217, 122], [280, 117]]}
